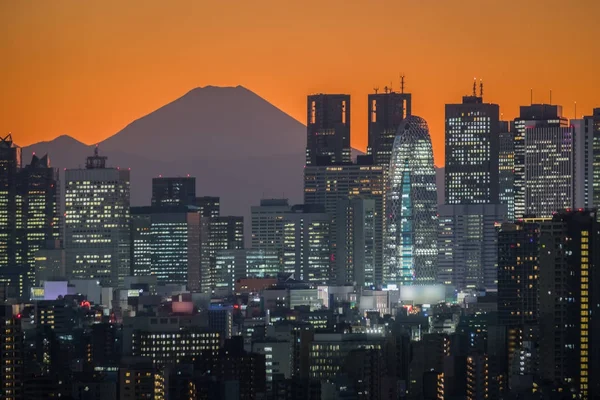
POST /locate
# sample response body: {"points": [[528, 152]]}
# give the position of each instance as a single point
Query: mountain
{"points": [[237, 145]]}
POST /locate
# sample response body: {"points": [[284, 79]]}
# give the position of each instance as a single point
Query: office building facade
{"points": [[506, 170], [411, 207], [97, 239], [173, 191], [141, 241], [328, 129], [471, 167], [231, 265], [468, 245], [267, 224]]}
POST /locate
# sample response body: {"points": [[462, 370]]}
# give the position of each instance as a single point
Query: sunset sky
{"points": [[88, 68]]}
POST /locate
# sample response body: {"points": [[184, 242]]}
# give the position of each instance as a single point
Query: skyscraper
{"points": [[173, 191], [583, 162], [569, 299], [549, 170], [208, 206], [141, 241], [223, 233], [29, 215], [326, 185], [386, 111], [411, 207], [267, 224], [506, 169], [306, 244], [530, 117], [468, 245], [471, 166], [596, 160], [328, 129], [175, 247], [355, 251], [97, 239]]}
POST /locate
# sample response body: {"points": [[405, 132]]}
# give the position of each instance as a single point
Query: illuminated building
{"points": [[29, 215], [530, 117], [11, 355], [506, 170], [169, 192], [477, 376], [355, 238], [168, 340], [471, 167], [175, 247], [231, 265], [50, 262], [411, 208], [386, 111], [596, 158], [267, 224], [139, 378], [328, 129], [278, 357], [325, 185], [468, 245], [208, 206], [549, 170], [97, 239], [219, 233], [568, 300], [306, 231], [328, 351], [141, 241], [583, 162]]}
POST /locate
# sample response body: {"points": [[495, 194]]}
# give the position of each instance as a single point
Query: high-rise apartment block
{"points": [[471, 166], [386, 112], [328, 129], [97, 239], [569, 301]]}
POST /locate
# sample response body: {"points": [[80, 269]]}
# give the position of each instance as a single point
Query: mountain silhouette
{"points": [[237, 145]]}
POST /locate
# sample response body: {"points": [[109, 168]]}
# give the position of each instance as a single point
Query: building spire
{"points": [[481, 88], [474, 87]]}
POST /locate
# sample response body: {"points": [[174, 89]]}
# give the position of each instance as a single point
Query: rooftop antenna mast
{"points": [[402, 84], [474, 87], [575, 110], [481, 88], [550, 96], [531, 96], [376, 89]]}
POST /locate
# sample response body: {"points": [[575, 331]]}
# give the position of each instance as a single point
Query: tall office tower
{"points": [[569, 301], [386, 111], [355, 251], [411, 207], [168, 192], [141, 240], [39, 193], [530, 117], [175, 247], [50, 262], [472, 151], [231, 265], [306, 231], [583, 162], [596, 160], [29, 215], [224, 233], [11, 355], [328, 129], [97, 240], [267, 224], [208, 206], [468, 245], [506, 169], [325, 185]]}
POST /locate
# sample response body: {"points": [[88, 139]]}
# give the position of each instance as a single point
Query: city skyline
{"points": [[91, 82]]}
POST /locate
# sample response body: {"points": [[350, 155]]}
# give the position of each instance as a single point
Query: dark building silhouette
{"points": [[168, 192], [11, 355], [386, 111], [472, 147], [328, 129], [569, 302], [208, 206], [596, 158]]}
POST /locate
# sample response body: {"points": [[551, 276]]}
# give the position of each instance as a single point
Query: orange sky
{"points": [[87, 68]]}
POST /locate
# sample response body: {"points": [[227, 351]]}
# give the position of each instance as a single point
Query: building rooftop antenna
{"points": [[376, 89], [481, 88], [402, 84], [474, 87], [550, 96]]}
